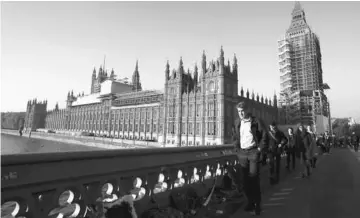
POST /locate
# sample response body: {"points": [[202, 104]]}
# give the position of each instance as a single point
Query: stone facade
{"points": [[35, 115], [195, 108]]}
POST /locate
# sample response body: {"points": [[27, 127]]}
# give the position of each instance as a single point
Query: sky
{"points": [[50, 48]]}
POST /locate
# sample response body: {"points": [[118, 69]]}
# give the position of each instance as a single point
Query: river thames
{"points": [[11, 144]]}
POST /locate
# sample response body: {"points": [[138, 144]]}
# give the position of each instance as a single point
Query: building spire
{"points": [[196, 73], [297, 7], [136, 79], [235, 65], [298, 17], [221, 52], [167, 71], [222, 58], [112, 75], [104, 62], [181, 67], [203, 63]]}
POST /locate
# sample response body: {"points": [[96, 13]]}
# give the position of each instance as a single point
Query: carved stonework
{"points": [[124, 179]]}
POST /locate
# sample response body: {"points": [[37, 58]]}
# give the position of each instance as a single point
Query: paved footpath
{"points": [[333, 191]]}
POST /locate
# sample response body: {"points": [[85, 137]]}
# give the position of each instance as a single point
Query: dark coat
{"points": [[354, 139], [303, 140], [258, 133], [291, 141], [327, 140], [273, 139]]}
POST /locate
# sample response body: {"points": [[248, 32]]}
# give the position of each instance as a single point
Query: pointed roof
{"points": [[181, 62], [221, 51], [297, 7], [298, 20], [136, 72]]}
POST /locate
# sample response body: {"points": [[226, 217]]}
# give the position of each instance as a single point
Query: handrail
{"points": [[17, 159], [67, 183]]}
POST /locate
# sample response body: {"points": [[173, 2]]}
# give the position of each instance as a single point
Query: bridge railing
{"points": [[74, 184]]}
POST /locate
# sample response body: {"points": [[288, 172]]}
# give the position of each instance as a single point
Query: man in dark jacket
{"points": [[248, 142], [303, 140], [276, 141]]}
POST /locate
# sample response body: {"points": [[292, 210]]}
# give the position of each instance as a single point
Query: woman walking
{"points": [[313, 147], [290, 149]]}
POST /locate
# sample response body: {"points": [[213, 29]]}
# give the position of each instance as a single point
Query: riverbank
{"points": [[103, 143]]}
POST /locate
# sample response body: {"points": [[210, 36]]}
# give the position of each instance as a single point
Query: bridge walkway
{"points": [[333, 191]]}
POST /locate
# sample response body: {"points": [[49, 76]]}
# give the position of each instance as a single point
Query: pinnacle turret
{"points": [[203, 63], [167, 71], [195, 73], [136, 78]]}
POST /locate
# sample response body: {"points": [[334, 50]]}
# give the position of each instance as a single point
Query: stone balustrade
{"points": [[75, 184]]}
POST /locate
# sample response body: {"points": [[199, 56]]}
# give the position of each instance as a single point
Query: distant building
{"points": [[195, 108], [301, 76], [35, 114]]}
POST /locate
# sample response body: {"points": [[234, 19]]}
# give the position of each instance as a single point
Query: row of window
{"points": [[212, 108], [115, 127], [193, 128], [104, 116]]}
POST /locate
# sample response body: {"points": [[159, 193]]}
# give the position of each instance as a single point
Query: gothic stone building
{"points": [[195, 108], [35, 114]]}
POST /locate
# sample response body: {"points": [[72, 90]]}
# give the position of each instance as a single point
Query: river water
{"points": [[11, 144]]}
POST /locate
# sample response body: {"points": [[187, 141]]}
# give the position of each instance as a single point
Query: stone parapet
{"points": [[65, 184]]}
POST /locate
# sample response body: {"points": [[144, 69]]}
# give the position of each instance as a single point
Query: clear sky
{"points": [[49, 48]]}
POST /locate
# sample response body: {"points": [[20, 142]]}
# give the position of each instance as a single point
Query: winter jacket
{"points": [[257, 134], [273, 139], [303, 140]]}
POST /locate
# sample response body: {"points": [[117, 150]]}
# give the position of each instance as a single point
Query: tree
{"points": [[341, 127], [355, 128]]}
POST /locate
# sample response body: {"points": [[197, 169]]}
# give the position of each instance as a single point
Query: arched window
{"points": [[211, 86]]}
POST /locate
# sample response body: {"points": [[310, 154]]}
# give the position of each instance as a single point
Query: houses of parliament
{"points": [[196, 107]]}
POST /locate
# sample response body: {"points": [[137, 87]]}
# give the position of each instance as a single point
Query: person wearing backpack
{"points": [[248, 143], [276, 141]]}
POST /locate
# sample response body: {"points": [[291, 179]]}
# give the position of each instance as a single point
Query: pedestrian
{"points": [[248, 142], [303, 139], [276, 141], [327, 142], [313, 147], [355, 141], [290, 149], [21, 130]]}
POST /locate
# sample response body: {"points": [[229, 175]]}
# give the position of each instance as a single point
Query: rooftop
{"points": [[87, 99]]}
